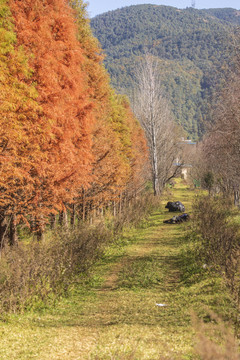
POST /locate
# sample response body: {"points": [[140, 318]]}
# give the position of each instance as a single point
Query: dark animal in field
{"points": [[177, 219], [175, 206]]}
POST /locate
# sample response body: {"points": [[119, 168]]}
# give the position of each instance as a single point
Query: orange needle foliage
{"points": [[110, 166], [21, 133], [114, 131], [47, 31], [139, 152], [65, 136]]}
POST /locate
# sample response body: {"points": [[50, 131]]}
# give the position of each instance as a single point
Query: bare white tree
{"points": [[152, 110]]}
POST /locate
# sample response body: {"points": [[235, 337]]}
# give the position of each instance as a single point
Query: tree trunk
{"points": [[236, 197], [156, 188], [120, 203], [90, 212], [60, 219], [114, 209], [73, 215], [84, 207], [53, 221], [40, 234], [3, 230], [65, 219], [13, 238], [40, 229]]}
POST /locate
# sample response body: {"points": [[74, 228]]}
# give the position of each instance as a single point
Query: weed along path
{"points": [[116, 316]]}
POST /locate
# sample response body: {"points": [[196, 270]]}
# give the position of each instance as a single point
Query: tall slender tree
{"points": [[21, 131], [221, 150], [152, 110], [112, 142]]}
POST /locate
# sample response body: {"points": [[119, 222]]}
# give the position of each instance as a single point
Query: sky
{"points": [[96, 7]]}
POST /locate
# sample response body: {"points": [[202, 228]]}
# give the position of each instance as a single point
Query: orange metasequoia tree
{"points": [[108, 164], [69, 139], [116, 162], [121, 158], [21, 131], [47, 32]]}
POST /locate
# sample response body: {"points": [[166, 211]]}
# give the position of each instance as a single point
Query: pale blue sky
{"points": [[96, 7]]}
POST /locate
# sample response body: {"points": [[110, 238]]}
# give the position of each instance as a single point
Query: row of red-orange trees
{"points": [[66, 138]]}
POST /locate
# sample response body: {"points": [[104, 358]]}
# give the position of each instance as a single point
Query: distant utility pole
{"points": [[193, 4]]}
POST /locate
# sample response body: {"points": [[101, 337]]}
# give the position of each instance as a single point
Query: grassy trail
{"points": [[116, 316]]}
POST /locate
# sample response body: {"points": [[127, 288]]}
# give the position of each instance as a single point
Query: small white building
{"points": [[188, 149]]}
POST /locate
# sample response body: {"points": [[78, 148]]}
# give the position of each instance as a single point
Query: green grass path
{"points": [[115, 316]]}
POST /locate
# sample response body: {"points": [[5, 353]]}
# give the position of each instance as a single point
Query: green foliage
{"points": [[227, 14], [208, 180], [194, 47]]}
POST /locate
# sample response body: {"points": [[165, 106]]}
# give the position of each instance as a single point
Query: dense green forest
{"points": [[195, 48]]}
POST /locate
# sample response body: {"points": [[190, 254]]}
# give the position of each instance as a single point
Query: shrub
{"points": [[223, 347], [219, 236], [31, 275], [133, 214], [219, 239]]}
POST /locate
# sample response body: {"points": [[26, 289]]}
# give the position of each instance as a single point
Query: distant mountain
{"points": [[194, 47], [227, 14]]}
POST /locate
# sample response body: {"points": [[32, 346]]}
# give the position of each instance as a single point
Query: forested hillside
{"points": [[195, 48]]}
